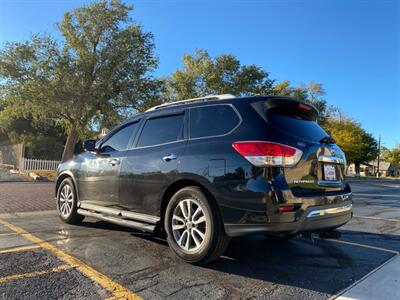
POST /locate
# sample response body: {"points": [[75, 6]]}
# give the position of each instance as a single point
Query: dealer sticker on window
{"points": [[330, 172]]}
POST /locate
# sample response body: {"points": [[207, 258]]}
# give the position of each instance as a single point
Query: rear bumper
{"points": [[315, 218]]}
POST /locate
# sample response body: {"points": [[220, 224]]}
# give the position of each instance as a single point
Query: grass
{"points": [[49, 175]]}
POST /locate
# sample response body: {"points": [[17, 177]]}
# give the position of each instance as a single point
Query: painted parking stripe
{"points": [[19, 249], [7, 234], [364, 246], [376, 218], [118, 291], [36, 273]]}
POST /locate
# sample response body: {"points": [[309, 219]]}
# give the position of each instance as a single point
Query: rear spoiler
{"points": [[286, 107]]}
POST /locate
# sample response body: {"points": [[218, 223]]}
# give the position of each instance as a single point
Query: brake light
{"points": [[264, 154], [304, 107]]}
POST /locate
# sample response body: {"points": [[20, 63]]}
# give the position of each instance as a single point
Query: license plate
{"points": [[330, 173]]}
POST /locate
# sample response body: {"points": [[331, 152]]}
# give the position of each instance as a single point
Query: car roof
{"points": [[200, 103]]}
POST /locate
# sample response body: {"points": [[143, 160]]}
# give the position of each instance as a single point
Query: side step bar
{"points": [[118, 221], [119, 213]]}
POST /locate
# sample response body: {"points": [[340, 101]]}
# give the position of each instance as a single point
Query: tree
{"points": [[312, 93], [392, 155], [42, 139], [358, 145], [203, 75], [102, 65], [284, 89]]}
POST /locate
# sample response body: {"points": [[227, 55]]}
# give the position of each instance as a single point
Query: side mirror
{"points": [[90, 145]]}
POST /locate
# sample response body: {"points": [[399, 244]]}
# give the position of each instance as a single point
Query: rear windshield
{"points": [[304, 129]]}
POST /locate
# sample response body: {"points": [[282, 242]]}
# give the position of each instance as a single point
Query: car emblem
{"points": [[303, 181]]}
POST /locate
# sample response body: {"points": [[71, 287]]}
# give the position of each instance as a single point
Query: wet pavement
{"points": [[253, 267]]}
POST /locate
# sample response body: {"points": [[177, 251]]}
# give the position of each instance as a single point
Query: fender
{"points": [[66, 173]]}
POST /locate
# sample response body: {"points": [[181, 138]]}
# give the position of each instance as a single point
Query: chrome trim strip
{"points": [[156, 145], [331, 159], [329, 211]]}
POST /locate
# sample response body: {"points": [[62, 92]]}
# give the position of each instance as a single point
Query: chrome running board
{"points": [[119, 213], [118, 221]]}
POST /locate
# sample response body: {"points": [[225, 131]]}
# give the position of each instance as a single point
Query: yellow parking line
{"points": [[19, 249], [34, 274], [119, 292], [7, 234]]}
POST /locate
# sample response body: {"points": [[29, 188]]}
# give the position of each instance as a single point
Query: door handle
{"points": [[169, 157], [114, 162]]}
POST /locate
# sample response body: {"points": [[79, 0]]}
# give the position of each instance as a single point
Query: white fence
{"points": [[38, 164]]}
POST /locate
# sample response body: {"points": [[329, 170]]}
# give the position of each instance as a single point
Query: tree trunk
{"points": [[357, 169], [72, 139]]}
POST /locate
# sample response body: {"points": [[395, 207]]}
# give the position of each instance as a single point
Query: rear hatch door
{"points": [[321, 168]]}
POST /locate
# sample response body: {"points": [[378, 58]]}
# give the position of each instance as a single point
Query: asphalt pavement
{"points": [[40, 257]]}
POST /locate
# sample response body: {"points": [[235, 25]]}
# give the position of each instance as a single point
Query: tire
{"points": [[200, 249], [66, 194]]}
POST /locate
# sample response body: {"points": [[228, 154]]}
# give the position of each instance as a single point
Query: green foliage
{"points": [[42, 138], [103, 64], [392, 155], [358, 145], [101, 72], [203, 75]]}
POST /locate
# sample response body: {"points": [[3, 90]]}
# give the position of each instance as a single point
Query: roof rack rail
{"points": [[186, 101]]}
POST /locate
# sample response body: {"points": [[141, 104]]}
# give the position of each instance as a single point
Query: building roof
{"points": [[383, 165]]}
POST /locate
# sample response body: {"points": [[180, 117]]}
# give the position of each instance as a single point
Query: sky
{"points": [[351, 47]]}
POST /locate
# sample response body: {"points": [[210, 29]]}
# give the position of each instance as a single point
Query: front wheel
{"points": [[194, 229], [67, 203]]}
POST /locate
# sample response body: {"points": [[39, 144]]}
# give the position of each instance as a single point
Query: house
{"points": [[386, 169], [102, 133]]}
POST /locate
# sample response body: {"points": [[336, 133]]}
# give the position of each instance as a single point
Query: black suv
{"points": [[207, 169]]}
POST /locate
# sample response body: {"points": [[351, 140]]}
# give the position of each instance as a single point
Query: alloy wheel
{"points": [[66, 201], [189, 225]]}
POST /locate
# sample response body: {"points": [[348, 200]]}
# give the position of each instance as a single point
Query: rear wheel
{"points": [[194, 230], [67, 203]]}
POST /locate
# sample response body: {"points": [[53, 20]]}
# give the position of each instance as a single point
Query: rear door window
{"points": [[213, 120], [162, 130]]}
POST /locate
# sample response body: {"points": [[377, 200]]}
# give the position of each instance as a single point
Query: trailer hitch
{"points": [[329, 234]]}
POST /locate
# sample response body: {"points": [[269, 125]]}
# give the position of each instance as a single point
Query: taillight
{"points": [[264, 154]]}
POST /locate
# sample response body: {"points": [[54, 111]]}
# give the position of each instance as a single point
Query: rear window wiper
{"points": [[327, 140]]}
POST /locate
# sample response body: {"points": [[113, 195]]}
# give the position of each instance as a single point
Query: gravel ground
{"points": [[7, 176]]}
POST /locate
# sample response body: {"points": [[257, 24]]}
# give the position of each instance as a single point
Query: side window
{"points": [[162, 130], [212, 120], [119, 141]]}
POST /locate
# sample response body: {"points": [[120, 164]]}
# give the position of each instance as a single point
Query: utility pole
{"points": [[379, 157]]}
